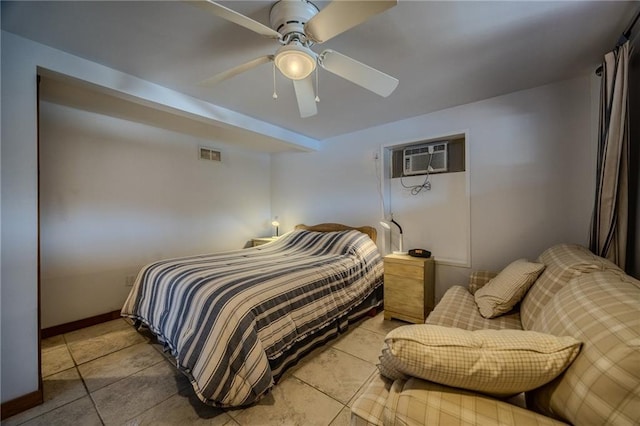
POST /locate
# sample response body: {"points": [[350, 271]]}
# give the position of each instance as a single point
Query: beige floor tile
{"points": [[55, 360], [118, 365], [90, 348], [79, 412], [160, 348], [361, 343], [312, 355], [291, 402], [58, 389], [130, 381], [181, 410], [379, 325], [335, 373], [52, 342], [343, 418], [153, 341], [132, 396], [97, 330]]}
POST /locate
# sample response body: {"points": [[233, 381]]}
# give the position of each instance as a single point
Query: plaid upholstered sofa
{"points": [[577, 294]]}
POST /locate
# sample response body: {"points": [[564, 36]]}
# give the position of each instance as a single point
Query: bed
{"points": [[235, 321]]}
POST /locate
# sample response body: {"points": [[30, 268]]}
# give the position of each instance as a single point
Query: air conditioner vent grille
{"points": [[427, 158]]}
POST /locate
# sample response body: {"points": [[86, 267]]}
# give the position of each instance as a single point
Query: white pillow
{"points": [[504, 291], [497, 362]]}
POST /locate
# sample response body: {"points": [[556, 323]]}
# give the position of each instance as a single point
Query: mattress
{"points": [[233, 320]]}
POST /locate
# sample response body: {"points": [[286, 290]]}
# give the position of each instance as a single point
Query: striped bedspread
{"points": [[226, 316]]}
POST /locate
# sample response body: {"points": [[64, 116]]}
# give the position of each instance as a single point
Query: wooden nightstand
{"points": [[409, 287], [262, 240]]}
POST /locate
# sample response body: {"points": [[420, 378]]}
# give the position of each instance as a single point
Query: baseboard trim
{"points": [[77, 325], [20, 404]]}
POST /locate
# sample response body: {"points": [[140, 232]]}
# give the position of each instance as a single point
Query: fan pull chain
{"points": [[275, 95], [317, 98]]}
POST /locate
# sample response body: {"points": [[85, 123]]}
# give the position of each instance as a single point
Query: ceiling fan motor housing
{"points": [[290, 16]]}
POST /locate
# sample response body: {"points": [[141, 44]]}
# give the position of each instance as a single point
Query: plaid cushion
{"points": [[458, 309], [502, 293], [388, 367], [499, 362], [368, 408], [418, 402], [477, 279], [602, 385], [563, 262]]}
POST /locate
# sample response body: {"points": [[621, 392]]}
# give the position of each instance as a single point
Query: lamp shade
{"points": [[295, 61]]}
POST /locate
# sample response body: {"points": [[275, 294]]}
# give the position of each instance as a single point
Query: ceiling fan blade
{"points": [[236, 70], [358, 73], [305, 96], [341, 15], [237, 18]]}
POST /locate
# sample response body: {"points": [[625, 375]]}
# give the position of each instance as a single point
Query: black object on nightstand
{"points": [[419, 253]]}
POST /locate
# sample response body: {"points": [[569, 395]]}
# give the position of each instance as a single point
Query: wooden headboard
{"points": [[333, 227]]}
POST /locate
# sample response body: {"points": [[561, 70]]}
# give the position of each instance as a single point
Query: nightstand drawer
{"points": [[400, 269], [404, 295]]}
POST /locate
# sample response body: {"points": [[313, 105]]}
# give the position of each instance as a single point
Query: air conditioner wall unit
{"points": [[427, 158]]}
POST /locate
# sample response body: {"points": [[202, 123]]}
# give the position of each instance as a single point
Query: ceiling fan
{"points": [[298, 25]]}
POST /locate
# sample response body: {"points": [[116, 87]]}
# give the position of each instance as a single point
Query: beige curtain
{"points": [[610, 214]]}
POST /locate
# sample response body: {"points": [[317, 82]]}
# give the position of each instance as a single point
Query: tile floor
{"points": [[110, 374]]}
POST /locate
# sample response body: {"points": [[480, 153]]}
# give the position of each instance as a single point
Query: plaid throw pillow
{"points": [[502, 293], [497, 362]]}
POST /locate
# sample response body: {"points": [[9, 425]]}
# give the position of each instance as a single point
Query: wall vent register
{"points": [[211, 154], [426, 158]]}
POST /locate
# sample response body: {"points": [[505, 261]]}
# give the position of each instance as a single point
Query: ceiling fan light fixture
{"points": [[295, 61]]}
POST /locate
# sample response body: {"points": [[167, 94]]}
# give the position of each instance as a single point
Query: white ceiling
{"points": [[444, 53]]}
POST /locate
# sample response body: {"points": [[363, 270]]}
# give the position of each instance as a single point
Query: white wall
{"points": [[19, 334], [531, 158], [116, 195]]}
